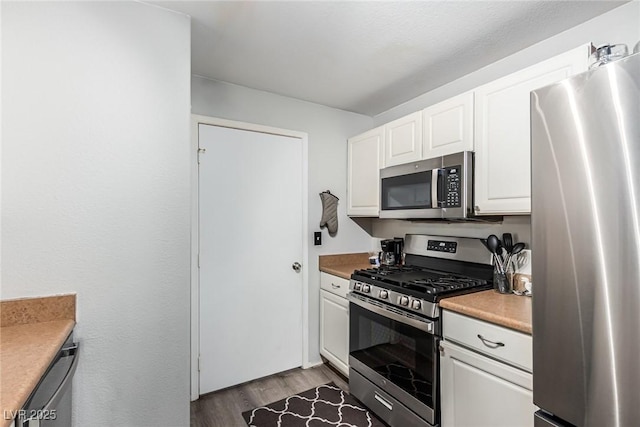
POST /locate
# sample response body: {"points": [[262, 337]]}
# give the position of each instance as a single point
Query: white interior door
{"points": [[250, 219]]}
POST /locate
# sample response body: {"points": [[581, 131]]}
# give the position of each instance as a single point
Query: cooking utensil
{"points": [[494, 245], [501, 249], [520, 260], [507, 241], [517, 248]]}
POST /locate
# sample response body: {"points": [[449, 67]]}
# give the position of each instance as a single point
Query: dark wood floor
{"points": [[224, 408]]}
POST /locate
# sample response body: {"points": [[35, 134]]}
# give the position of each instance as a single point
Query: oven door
{"points": [[397, 352]]}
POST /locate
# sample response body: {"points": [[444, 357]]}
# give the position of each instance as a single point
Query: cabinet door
{"points": [[448, 127], [515, 348], [502, 133], [403, 140], [479, 392], [363, 173], [334, 330]]}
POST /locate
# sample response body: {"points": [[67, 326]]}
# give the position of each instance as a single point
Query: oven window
{"points": [[411, 191], [402, 354]]}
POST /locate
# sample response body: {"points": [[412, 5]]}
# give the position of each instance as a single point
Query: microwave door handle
{"points": [[441, 188], [435, 196], [437, 188]]}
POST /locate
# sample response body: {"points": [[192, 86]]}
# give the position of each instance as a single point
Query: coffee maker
{"points": [[391, 251]]}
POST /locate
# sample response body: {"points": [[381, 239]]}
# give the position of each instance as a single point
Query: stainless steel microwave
{"points": [[441, 187]]}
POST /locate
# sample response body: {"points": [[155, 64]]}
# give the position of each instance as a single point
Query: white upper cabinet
{"points": [[502, 133], [363, 172], [403, 140], [448, 127]]}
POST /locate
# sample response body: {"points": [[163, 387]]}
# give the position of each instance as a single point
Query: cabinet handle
{"points": [[335, 286], [490, 344]]}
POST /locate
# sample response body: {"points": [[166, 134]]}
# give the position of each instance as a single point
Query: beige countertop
{"points": [[32, 332], [508, 310], [343, 265]]}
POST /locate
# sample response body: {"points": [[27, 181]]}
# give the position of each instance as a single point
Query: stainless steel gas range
{"points": [[395, 330]]}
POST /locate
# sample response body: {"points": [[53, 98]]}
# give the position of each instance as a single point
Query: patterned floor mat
{"points": [[326, 405]]}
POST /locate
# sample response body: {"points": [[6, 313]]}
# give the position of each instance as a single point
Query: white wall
{"points": [[518, 226], [328, 130], [620, 25], [95, 194]]}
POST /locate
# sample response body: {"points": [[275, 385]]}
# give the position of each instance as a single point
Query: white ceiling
{"points": [[365, 57]]}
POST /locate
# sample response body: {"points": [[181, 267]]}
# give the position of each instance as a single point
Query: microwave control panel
{"points": [[452, 189]]}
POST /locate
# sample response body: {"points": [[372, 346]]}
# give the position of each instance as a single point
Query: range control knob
{"points": [[384, 294], [415, 304], [357, 286], [366, 288], [404, 300]]}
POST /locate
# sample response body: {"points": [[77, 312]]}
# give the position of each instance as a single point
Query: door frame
{"points": [[197, 120]]}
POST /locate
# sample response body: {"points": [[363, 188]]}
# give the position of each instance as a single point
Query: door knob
{"points": [[296, 267]]}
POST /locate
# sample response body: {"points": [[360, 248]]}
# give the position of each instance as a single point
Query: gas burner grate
{"points": [[445, 284], [420, 282], [389, 270]]}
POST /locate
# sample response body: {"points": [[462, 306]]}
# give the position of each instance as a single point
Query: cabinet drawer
{"points": [[510, 346], [334, 284]]}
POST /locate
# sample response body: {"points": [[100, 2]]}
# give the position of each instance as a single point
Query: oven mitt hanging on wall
{"points": [[329, 212]]}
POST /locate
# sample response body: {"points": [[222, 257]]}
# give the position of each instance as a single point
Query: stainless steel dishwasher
{"points": [[49, 405]]}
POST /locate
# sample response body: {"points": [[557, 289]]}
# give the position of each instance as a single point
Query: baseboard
{"points": [[311, 364]]}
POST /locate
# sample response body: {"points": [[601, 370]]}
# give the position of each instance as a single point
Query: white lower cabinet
{"points": [[334, 321], [480, 391]]}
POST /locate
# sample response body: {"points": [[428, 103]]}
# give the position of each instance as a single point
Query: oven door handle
{"points": [[423, 325], [383, 401]]}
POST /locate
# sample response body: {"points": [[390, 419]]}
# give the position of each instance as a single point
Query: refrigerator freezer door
{"points": [[585, 246]]}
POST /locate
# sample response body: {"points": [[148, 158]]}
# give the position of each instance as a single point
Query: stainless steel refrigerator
{"points": [[585, 139]]}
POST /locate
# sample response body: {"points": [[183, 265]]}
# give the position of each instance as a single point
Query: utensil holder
{"points": [[502, 282]]}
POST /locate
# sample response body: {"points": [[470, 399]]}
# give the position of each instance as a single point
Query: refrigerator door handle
{"points": [[490, 344]]}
